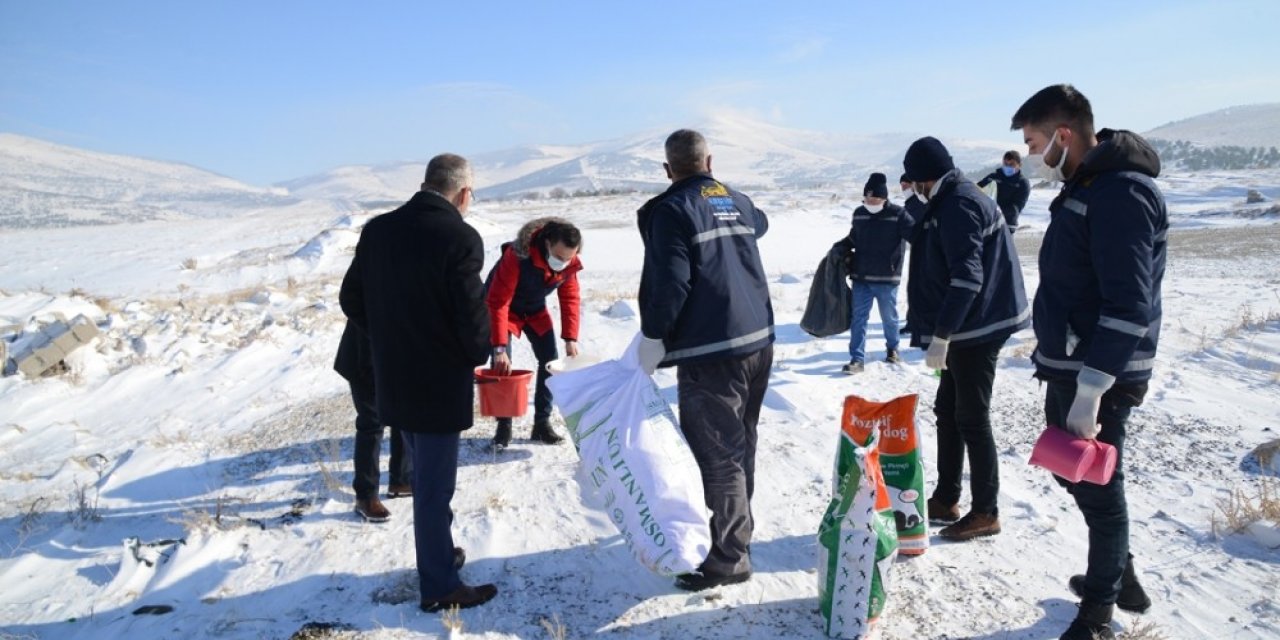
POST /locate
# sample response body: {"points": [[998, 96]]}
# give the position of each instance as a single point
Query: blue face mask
{"points": [[1008, 170]]}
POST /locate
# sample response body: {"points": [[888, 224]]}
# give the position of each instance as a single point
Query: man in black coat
{"points": [[414, 288], [1012, 188], [355, 364]]}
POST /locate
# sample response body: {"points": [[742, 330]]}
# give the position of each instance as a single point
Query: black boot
{"points": [[542, 433], [1132, 596], [502, 438], [1093, 622]]}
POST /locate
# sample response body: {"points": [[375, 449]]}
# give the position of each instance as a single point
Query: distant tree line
{"points": [[1190, 156]]}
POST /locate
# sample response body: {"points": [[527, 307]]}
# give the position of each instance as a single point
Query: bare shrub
{"points": [[555, 628], [1143, 631], [1238, 510]]}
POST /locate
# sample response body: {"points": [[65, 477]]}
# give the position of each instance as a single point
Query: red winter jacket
{"points": [[519, 284]]}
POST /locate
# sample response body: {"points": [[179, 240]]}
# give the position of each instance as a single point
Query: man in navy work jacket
{"points": [[414, 288], [970, 299], [877, 238], [1012, 188], [704, 307], [1097, 317]]}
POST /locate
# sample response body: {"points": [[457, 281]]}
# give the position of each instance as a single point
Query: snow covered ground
{"points": [[197, 454]]}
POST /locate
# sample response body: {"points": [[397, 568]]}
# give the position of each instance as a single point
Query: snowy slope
{"points": [[45, 184], [197, 454], [1256, 125], [745, 152]]}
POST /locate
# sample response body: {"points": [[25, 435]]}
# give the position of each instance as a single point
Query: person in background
{"points": [[1097, 317], [915, 210], [705, 308], [971, 299], [414, 289], [354, 363], [542, 259], [874, 247], [1012, 188]]}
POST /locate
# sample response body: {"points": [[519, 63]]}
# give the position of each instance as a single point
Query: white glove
{"points": [[651, 353], [936, 356], [1082, 418]]}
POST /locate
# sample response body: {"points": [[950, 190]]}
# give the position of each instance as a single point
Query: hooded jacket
{"points": [[1012, 193], [878, 241], [1101, 265], [970, 287], [518, 285], [703, 290]]}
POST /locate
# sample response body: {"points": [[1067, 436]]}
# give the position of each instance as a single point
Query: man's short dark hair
{"points": [[1054, 106], [1013, 156], [561, 232], [447, 174], [687, 152]]}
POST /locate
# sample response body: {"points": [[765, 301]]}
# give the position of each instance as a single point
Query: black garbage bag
{"points": [[827, 312]]}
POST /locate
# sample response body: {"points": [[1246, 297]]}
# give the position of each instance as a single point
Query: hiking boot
{"points": [[502, 437], [463, 597], [891, 356], [371, 510], [1132, 598], [459, 557], [1093, 622], [853, 367], [698, 581], [543, 433], [972, 525], [399, 491], [941, 514]]}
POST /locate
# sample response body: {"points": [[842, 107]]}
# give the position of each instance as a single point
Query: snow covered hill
{"points": [[747, 153], [1256, 125], [44, 184]]}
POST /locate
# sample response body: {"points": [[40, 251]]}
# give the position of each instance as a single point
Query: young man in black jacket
{"points": [[1012, 188], [414, 288], [704, 307], [969, 300], [1097, 317], [875, 246]]}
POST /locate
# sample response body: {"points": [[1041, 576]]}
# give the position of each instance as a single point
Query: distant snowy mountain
{"points": [[44, 184], [1256, 125], [746, 153]]}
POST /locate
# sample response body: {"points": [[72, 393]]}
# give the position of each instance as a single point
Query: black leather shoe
{"points": [[463, 597], [459, 557], [502, 437], [699, 581], [1132, 598], [542, 433]]}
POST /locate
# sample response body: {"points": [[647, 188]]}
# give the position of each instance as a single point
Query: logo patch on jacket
{"points": [[718, 197]]}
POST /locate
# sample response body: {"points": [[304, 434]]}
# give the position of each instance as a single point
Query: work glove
{"points": [[936, 356], [651, 352], [1082, 418]]}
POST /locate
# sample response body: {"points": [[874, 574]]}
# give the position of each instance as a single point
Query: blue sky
{"points": [[267, 91]]}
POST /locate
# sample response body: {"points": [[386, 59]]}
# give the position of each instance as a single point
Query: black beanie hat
{"points": [[877, 186], [927, 159], [903, 179]]}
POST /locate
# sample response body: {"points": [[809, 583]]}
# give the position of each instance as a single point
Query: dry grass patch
{"points": [[1240, 509]]}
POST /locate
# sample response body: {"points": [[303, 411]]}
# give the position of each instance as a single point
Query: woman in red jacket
{"points": [[542, 259]]}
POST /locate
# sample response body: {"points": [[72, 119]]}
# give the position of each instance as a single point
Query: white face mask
{"points": [[555, 263], [1040, 168], [907, 193], [921, 193], [873, 208]]}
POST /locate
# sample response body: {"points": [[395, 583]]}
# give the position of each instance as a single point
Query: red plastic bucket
{"points": [[503, 396], [1072, 458]]}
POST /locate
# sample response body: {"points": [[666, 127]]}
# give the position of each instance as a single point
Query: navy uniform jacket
{"points": [[970, 287], [1101, 264], [1011, 194], [879, 244], [703, 290]]}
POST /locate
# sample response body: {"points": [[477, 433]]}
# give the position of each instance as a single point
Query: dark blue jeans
{"points": [[885, 296], [963, 410], [369, 446], [435, 476], [1104, 507], [544, 351]]}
